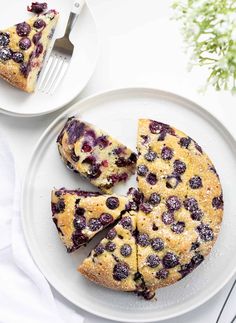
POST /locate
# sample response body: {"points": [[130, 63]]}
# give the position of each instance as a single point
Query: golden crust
{"points": [[93, 208], [100, 268], [180, 243], [10, 70], [105, 156]]}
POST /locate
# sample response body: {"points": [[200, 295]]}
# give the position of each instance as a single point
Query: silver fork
{"points": [[61, 54]]}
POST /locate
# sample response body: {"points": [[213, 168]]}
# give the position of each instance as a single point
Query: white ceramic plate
{"points": [[84, 37], [117, 112]]}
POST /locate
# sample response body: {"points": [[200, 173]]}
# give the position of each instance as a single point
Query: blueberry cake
{"points": [[23, 48], [180, 218], [94, 154], [79, 215], [113, 262]]}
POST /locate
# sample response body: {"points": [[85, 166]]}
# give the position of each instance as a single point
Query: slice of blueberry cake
{"points": [[94, 154], [180, 219], [79, 215], [23, 48], [113, 262]]}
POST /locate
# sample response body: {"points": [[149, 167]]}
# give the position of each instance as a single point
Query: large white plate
{"points": [[84, 37], [117, 112]]}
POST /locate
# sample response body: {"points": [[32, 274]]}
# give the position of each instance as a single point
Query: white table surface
{"points": [[139, 47]]}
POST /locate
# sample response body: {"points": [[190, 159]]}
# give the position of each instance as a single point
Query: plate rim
{"points": [[76, 97], [77, 105]]}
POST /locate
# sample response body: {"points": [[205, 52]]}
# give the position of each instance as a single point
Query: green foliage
{"points": [[209, 29]]}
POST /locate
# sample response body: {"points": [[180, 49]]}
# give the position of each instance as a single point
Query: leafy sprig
{"points": [[209, 29]]}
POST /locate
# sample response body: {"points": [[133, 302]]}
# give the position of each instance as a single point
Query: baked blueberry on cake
{"points": [[23, 48], [113, 262], [79, 215], [94, 154], [180, 219]]}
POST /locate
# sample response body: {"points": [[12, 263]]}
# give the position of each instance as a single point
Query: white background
{"points": [[140, 46]]}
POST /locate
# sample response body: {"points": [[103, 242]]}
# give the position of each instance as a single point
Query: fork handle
{"points": [[75, 11]]}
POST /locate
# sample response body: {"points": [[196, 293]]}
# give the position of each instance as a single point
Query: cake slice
{"points": [[80, 215], [23, 48], [94, 154], [113, 262], [180, 219]]}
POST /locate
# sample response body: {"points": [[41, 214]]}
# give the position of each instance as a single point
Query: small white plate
{"points": [[84, 37], [117, 112]]}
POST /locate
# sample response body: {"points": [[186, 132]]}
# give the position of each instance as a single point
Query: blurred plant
{"points": [[209, 29]]}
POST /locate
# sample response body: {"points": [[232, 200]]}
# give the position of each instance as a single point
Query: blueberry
{"points": [[173, 181], [99, 249], [162, 274], [142, 170], [112, 203], [137, 196], [145, 139], [217, 202], [91, 160], [195, 245], [154, 227], [74, 157], [197, 215], [157, 244], [188, 268], [155, 126], [58, 207], [179, 167], [102, 142], [161, 128], [79, 211], [24, 43], [118, 151], [25, 69], [121, 162], [154, 199], [39, 23], [120, 271], [146, 208], [106, 218], [94, 171], [126, 250], [151, 179], [153, 261], [110, 246], [39, 49], [185, 142], [173, 203], [79, 239], [79, 222], [132, 159], [143, 240], [111, 234], [190, 204], [195, 182], [167, 153], [94, 224], [37, 7], [4, 39], [167, 217], [5, 54], [170, 260], [18, 57], [205, 232], [126, 223], [23, 29], [36, 38], [178, 227], [150, 156], [75, 130], [199, 148]]}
